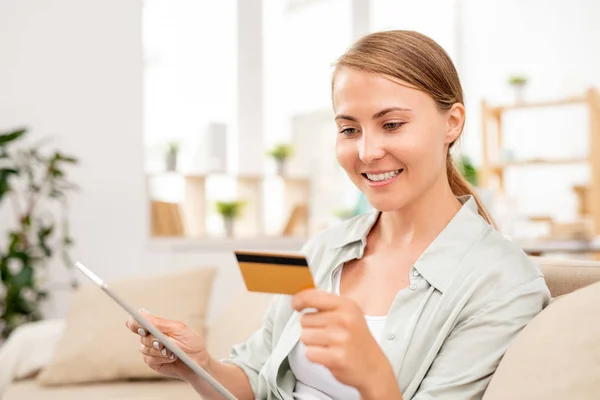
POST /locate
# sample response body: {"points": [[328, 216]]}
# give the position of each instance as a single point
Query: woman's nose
{"points": [[370, 149]]}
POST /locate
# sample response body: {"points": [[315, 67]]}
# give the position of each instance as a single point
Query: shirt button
{"points": [[413, 287], [416, 273], [391, 336]]}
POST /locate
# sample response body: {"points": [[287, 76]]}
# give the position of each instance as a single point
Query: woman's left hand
{"points": [[337, 337]]}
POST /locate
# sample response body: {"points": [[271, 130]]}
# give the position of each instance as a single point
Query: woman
{"points": [[418, 299]]}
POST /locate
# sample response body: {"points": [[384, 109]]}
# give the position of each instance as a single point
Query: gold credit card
{"points": [[274, 272]]}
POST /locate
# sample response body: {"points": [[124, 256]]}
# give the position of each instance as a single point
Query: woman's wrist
{"points": [[383, 385], [207, 365]]}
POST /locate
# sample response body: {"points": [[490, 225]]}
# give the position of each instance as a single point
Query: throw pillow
{"points": [[96, 346], [556, 355]]}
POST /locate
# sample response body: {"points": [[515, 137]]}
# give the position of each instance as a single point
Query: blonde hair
{"points": [[418, 60]]}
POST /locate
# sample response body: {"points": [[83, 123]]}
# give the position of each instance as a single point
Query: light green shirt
{"points": [[470, 293]]}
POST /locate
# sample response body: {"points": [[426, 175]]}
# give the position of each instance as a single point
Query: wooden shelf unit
{"points": [[193, 211], [495, 168]]}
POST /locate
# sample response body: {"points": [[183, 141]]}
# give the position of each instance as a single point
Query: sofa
{"points": [[557, 356]]}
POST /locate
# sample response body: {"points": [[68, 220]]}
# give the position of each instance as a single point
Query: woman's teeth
{"points": [[384, 176]]}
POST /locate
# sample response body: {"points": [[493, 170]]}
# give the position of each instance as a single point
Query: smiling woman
{"points": [[418, 299], [398, 115]]}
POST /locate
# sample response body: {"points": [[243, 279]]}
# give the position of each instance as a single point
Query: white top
{"points": [[314, 381]]}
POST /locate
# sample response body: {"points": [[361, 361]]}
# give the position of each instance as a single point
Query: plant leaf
{"points": [[24, 278], [11, 136]]}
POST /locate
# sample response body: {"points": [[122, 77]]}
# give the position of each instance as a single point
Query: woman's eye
{"points": [[348, 131], [390, 126]]}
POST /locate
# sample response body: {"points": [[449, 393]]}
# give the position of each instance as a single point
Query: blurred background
{"points": [[192, 128]]}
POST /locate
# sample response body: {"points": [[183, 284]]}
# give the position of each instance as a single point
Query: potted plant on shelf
{"points": [[171, 156], [229, 210], [281, 153], [467, 169], [34, 183], [518, 82]]}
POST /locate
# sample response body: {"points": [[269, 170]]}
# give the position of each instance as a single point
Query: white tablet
{"points": [[168, 343]]}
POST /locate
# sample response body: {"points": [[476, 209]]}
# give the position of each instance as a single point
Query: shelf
{"points": [[493, 171], [187, 244], [565, 161], [541, 104], [194, 214]]}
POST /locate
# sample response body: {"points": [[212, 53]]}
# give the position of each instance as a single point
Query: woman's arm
{"points": [[239, 372], [229, 375]]}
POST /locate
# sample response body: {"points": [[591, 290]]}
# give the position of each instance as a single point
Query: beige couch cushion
{"points": [[242, 316], [143, 390], [565, 276], [557, 356], [96, 346]]}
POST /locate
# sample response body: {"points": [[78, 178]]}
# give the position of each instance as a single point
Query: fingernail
{"points": [[142, 346], [156, 345], [164, 352], [172, 356], [141, 332]]}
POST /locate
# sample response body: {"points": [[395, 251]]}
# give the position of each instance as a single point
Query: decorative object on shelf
{"points": [[229, 210], [35, 183], [518, 83], [467, 169], [281, 153], [171, 156]]}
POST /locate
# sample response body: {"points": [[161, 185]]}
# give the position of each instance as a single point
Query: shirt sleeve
{"points": [[473, 350], [252, 355]]}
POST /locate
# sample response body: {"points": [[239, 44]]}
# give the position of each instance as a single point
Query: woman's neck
{"points": [[419, 222]]}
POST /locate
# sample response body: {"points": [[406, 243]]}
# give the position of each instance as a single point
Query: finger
{"points": [[324, 337], [315, 298], [166, 326], [327, 356], [156, 362], [318, 319], [151, 341], [135, 327], [152, 352]]}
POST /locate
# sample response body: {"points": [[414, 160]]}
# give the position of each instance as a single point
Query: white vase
{"points": [[519, 89], [281, 167], [171, 161], [228, 224]]}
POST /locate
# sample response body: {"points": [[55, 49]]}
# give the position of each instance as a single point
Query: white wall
{"points": [[71, 68]]}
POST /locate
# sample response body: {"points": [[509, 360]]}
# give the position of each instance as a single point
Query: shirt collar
{"points": [[441, 259]]}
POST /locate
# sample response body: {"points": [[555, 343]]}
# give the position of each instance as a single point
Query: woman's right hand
{"points": [[157, 357]]}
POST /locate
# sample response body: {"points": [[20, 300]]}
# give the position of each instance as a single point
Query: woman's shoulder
{"points": [[500, 266]]}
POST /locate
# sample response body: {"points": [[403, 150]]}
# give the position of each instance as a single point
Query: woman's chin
{"points": [[386, 204]]}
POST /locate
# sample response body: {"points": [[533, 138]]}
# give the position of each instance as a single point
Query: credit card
{"points": [[274, 272]]}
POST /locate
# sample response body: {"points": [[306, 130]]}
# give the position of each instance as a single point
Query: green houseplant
{"points": [[467, 169], [35, 183], [281, 153], [518, 82], [171, 156], [229, 210]]}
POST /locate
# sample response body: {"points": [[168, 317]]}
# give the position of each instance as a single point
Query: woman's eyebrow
{"points": [[389, 110], [375, 116]]}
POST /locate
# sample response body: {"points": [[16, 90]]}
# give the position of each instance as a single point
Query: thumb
{"points": [[163, 324]]}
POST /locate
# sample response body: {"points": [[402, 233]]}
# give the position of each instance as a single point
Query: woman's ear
{"points": [[455, 120]]}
